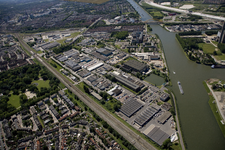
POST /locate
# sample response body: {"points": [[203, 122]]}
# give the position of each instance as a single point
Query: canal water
{"points": [[199, 127], [155, 79]]}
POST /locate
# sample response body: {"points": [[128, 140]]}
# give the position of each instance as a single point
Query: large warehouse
{"points": [[156, 134], [127, 82], [130, 107], [134, 65], [145, 116]]}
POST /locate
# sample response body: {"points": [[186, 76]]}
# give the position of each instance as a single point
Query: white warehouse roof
{"points": [[95, 66]]}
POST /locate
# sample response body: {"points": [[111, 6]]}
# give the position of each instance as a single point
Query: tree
{"points": [[166, 144], [23, 98], [86, 89]]}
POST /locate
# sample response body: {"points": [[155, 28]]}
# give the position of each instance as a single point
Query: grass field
{"points": [[74, 34], [14, 100], [207, 48], [220, 57], [42, 83]]}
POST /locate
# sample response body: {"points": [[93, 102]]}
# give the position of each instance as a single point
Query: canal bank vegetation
{"points": [[175, 111], [214, 109], [193, 48]]}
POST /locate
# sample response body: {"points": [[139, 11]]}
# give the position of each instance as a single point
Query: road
{"points": [[178, 124], [126, 132], [183, 11]]}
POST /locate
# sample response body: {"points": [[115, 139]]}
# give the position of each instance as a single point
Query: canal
{"points": [[199, 127]]}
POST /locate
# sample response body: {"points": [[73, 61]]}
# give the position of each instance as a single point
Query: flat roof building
{"points": [[136, 66], [156, 134], [164, 117], [145, 116], [70, 64], [131, 107], [127, 82], [164, 97]]}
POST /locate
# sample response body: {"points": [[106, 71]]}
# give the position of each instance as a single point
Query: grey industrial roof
{"points": [[157, 135], [62, 59], [100, 50], [127, 82], [164, 96], [146, 115], [50, 45], [70, 63], [130, 107], [164, 117], [99, 56], [71, 52], [84, 73], [135, 64], [92, 78]]}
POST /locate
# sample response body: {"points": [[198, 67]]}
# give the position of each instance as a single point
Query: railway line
{"points": [[122, 129]]}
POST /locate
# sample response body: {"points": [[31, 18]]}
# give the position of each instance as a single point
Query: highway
{"points": [[183, 11], [126, 132]]}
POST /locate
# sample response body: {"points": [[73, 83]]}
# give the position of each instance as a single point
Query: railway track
{"points": [[125, 131]]}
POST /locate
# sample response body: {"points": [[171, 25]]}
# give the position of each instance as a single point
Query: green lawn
{"points": [[39, 52], [14, 100], [214, 42], [41, 121], [220, 57], [207, 48], [74, 34], [42, 83], [61, 41]]}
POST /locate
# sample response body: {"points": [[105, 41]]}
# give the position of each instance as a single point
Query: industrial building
{"points": [[84, 73], [95, 66], [70, 64], [70, 53], [164, 117], [164, 97], [104, 51], [50, 45], [130, 107], [156, 134], [127, 82], [145, 116], [134, 65], [99, 56]]}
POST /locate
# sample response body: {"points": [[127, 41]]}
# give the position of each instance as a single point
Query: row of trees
{"points": [[189, 43], [62, 48], [120, 35]]}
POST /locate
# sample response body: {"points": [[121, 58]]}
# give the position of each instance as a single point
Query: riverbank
{"points": [[195, 115], [216, 105]]}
